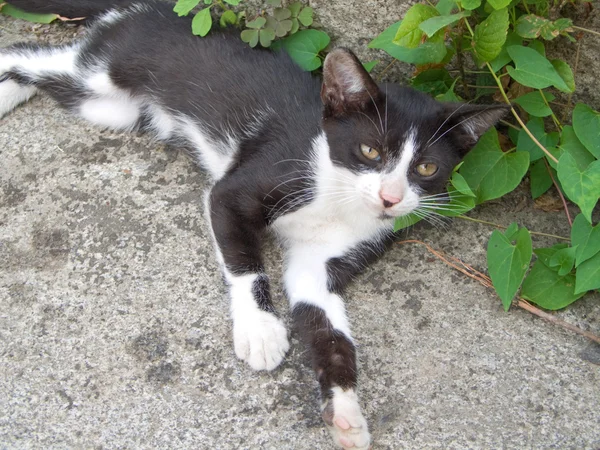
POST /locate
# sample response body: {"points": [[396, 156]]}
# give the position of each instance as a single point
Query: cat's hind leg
{"points": [[22, 66], [79, 84]]}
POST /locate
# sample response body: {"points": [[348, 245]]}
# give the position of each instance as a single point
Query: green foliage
{"points": [[508, 257], [490, 172], [11, 11], [506, 38], [284, 27]]}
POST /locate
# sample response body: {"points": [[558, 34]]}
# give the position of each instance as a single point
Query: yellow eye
{"points": [[427, 170], [370, 153]]}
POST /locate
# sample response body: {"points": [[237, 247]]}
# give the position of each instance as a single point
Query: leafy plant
{"points": [[284, 27], [468, 49]]}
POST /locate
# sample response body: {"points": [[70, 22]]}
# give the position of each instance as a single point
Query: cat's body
{"points": [[325, 168]]}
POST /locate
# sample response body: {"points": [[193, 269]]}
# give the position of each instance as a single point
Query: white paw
{"points": [[345, 422], [13, 94], [260, 339]]}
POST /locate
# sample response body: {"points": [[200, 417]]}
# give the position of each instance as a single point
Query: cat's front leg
{"points": [[259, 336], [319, 316]]}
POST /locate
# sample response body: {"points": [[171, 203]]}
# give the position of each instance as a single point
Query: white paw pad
{"points": [[260, 339], [345, 422]]}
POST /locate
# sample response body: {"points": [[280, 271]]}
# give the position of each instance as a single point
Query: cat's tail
{"points": [[71, 8]]}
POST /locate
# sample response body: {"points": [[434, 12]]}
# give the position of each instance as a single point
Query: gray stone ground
{"points": [[114, 330]]}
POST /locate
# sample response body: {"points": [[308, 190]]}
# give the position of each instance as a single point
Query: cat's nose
{"points": [[389, 200]]}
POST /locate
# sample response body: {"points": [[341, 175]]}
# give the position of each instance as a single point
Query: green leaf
{"points": [[526, 144], [406, 221], [257, 23], [445, 7], [565, 72], [228, 18], [274, 2], [581, 186], [251, 37], [461, 185], [570, 143], [282, 13], [586, 238], [470, 4], [490, 35], [563, 261], [17, 13], [539, 179], [538, 46], [544, 287], [233, 2], [409, 34], [489, 171], [533, 69], [432, 51], [534, 104], [304, 47], [459, 204], [295, 8], [369, 65], [508, 262], [531, 26], [183, 7], [588, 275], [435, 24], [504, 58], [202, 22], [306, 16], [499, 4], [432, 81], [266, 36], [449, 95], [279, 27], [586, 123], [544, 255]]}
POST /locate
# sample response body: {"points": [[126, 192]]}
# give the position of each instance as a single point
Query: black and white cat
{"points": [[326, 166]]}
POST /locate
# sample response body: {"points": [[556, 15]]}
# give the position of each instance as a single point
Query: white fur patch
{"points": [[215, 158], [13, 94], [259, 337], [117, 113], [39, 61], [161, 123], [350, 429], [111, 17]]}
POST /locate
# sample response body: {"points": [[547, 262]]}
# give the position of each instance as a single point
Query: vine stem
{"points": [[508, 102], [585, 30], [516, 116], [487, 282], [503, 227]]}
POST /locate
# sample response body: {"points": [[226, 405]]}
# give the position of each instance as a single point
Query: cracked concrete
{"points": [[114, 328]]}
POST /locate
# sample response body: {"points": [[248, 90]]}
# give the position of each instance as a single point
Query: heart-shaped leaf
{"points": [[586, 123], [588, 275], [306, 16], [489, 171], [536, 103], [544, 287], [508, 257], [202, 22], [183, 7], [586, 238], [304, 47], [581, 186], [409, 34], [533, 69]]}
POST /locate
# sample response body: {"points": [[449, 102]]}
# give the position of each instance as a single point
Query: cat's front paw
{"points": [[345, 422], [260, 339]]}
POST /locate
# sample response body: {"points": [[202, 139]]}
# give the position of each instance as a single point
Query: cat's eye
{"points": [[370, 153], [427, 169]]}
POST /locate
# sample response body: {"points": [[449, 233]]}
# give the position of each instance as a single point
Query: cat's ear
{"points": [[468, 123], [347, 86]]}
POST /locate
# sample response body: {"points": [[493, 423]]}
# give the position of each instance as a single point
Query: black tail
{"points": [[70, 8]]}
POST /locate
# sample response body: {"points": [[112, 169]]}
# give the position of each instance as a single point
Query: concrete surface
{"points": [[114, 330]]}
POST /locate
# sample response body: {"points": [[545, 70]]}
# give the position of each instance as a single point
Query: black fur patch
{"points": [[262, 293], [332, 354]]}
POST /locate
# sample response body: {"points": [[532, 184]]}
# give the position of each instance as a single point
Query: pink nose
{"points": [[389, 200]]}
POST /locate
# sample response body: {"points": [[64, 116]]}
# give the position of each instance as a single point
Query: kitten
{"points": [[326, 166]]}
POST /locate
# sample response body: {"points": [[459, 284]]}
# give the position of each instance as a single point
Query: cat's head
{"points": [[392, 146]]}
